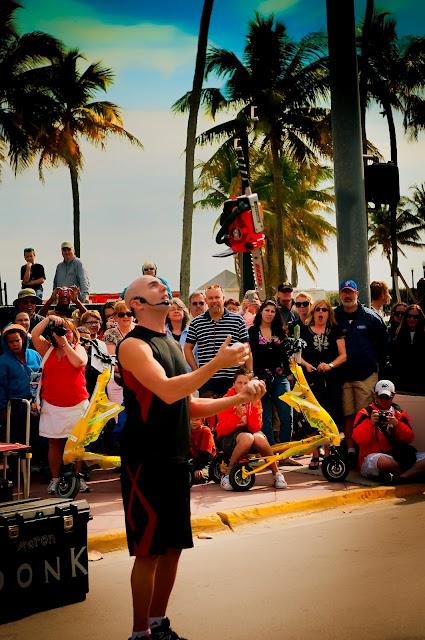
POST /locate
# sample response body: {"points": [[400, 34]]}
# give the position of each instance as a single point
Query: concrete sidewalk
{"points": [[214, 509]]}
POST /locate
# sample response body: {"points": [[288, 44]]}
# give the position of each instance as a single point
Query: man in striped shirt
{"points": [[208, 331]]}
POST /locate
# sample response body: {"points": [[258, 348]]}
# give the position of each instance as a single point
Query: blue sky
{"points": [[131, 200]]}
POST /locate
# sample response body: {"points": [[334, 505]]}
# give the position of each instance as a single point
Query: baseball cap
{"points": [[285, 286], [66, 245], [385, 388], [348, 284], [27, 293]]}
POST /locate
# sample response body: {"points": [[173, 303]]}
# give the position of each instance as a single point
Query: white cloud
{"points": [[276, 6], [131, 209], [158, 47]]}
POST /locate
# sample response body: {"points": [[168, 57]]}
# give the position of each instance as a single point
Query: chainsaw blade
{"points": [[258, 272]]}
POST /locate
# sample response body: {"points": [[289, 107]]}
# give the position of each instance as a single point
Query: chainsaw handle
{"points": [[222, 232]]}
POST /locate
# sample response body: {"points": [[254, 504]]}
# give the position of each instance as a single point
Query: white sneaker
{"points": [[84, 487], [225, 483], [279, 481], [52, 486]]}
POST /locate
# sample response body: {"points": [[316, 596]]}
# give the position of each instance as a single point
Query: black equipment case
{"points": [[43, 555]]}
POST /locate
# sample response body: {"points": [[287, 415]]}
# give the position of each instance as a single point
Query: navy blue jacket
{"points": [[366, 342]]}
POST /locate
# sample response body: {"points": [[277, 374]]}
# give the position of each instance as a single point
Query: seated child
{"points": [[202, 449], [239, 431]]}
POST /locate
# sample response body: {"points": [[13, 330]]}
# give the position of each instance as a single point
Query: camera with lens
{"points": [[383, 419], [54, 330]]}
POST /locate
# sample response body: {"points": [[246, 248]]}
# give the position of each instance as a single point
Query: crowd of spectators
{"points": [[348, 349]]}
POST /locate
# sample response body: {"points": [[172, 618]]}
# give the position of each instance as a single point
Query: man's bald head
{"points": [[147, 292], [136, 288]]}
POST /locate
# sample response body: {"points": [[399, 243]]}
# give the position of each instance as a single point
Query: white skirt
{"points": [[58, 422]]}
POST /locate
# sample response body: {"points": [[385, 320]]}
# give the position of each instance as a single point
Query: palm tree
{"points": [[392, 74], [304, 228], [410, 225], [23, 100], [283, 80], [195, 100], [75, 116]]}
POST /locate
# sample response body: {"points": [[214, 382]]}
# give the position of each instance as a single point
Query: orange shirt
{"points": [[249, 415]]}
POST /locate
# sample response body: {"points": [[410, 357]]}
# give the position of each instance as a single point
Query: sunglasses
{"points": [[413, 315], [398, 313], [196, 304], [124, 314], [302, 304], [149, 269], [321, 309]]}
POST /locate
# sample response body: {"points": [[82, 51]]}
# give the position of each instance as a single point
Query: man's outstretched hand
{"points": [[252, 392], [232, 356]]}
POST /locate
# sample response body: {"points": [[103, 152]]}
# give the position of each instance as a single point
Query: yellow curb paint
{"points": [[115, 538], [111, 540], [339, 499], [208, 522]]}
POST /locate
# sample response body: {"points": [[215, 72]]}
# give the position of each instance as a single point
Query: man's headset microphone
{"points": [[165, 303]]}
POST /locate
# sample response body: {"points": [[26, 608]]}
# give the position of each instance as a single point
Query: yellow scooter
{"points": [[301, 398], [87, 430]]}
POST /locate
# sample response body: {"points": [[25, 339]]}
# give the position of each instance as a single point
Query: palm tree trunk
{"points": [[393, 205], [190, 150], [408, 289], [294, 273], [76, 207], [363, 72], [277, 183]]}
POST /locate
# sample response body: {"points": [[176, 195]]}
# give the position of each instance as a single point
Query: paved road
{"points": [[353, 573]]}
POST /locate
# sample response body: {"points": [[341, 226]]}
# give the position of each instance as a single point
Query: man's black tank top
{"points": [[154, 431]]}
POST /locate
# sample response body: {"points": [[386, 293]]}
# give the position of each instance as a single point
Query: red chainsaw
{"points": [[242, 228]]}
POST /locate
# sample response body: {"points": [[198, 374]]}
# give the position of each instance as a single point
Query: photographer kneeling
{"points": [[63, 387], [383, 433]]}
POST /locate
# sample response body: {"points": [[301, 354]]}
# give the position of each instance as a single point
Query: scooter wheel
{"points": [[68, 485], [237, 481], [334, 468], [215, 473]]}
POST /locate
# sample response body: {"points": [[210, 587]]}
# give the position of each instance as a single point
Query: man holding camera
{"points": [[71, 272], [383, 433]]}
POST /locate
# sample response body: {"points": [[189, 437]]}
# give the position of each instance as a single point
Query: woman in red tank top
{"points": [[63, 387]]}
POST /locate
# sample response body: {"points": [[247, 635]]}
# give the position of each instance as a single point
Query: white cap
{"points": [[385, 388]]}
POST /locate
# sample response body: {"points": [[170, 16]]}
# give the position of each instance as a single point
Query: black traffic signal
{"points": [[382, 183]]}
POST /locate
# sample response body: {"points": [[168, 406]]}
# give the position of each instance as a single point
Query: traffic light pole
{"points": [[351, 214]]}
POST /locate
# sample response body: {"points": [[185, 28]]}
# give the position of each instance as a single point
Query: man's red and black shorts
{"points": [[157, 507]]}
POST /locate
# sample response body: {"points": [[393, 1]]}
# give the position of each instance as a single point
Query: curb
{"points": [[115, 539], [338, 499]]}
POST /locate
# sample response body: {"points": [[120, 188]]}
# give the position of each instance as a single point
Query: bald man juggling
{"points": [[155, 448]]}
